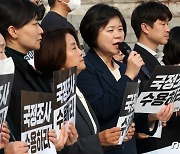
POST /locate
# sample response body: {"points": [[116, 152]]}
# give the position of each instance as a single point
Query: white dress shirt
{"points": [[116, 73], [157, 54]]}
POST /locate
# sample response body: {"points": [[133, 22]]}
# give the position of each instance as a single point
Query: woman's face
{"points": [[73, 54], [29, 36], [109, 37]]}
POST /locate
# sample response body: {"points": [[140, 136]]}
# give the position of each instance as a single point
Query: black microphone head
{"points": [[125, 49]]}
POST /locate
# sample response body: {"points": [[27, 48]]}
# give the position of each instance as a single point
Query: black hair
{"points": [[148, 13], [95, 18], [52, 53], [16, 13], [51, 2], [172, 48]]}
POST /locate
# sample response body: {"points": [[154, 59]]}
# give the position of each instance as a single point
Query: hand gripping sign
{"points": [[162, 88], [127, 109]]}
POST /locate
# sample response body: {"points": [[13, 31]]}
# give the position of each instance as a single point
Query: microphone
{"points": [[125, 49]]}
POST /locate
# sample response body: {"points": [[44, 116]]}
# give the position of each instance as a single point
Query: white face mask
{"points": [[73, 4], [7, 66]]}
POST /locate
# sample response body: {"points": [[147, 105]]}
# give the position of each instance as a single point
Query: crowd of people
{"points": [[102, 75]]}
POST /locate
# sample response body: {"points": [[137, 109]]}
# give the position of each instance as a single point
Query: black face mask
{"points": [[42, 11]]}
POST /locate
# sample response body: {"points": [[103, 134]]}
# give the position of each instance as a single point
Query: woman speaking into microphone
{"points": [[104, 80]]}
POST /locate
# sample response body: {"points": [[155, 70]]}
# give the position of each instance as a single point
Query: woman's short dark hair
{"points": [[51, 2], [149, 12], [52, 53], [16, 13], [95, 18], [172, 48]]}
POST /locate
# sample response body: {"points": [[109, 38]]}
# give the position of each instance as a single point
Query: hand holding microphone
{"points": [[134, 63]]}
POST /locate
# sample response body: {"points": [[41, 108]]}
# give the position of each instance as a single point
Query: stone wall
{"points": [[126, 7]]}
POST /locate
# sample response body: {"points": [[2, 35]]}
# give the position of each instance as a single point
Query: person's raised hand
{"points": [[58, 143], [110, 136], [17, 147], [134, 63]]}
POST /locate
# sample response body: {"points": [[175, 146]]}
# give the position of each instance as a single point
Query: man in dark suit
{"points": [[150, 23], [57, 16]]}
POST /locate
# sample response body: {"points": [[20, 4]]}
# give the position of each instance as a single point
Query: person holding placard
{"points": [[60, 50], [149, 21], [19, 26], [104, 80]]}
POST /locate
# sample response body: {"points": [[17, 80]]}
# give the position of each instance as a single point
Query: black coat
{"points": [[25, 78], [88, 142], [105, 95]]}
